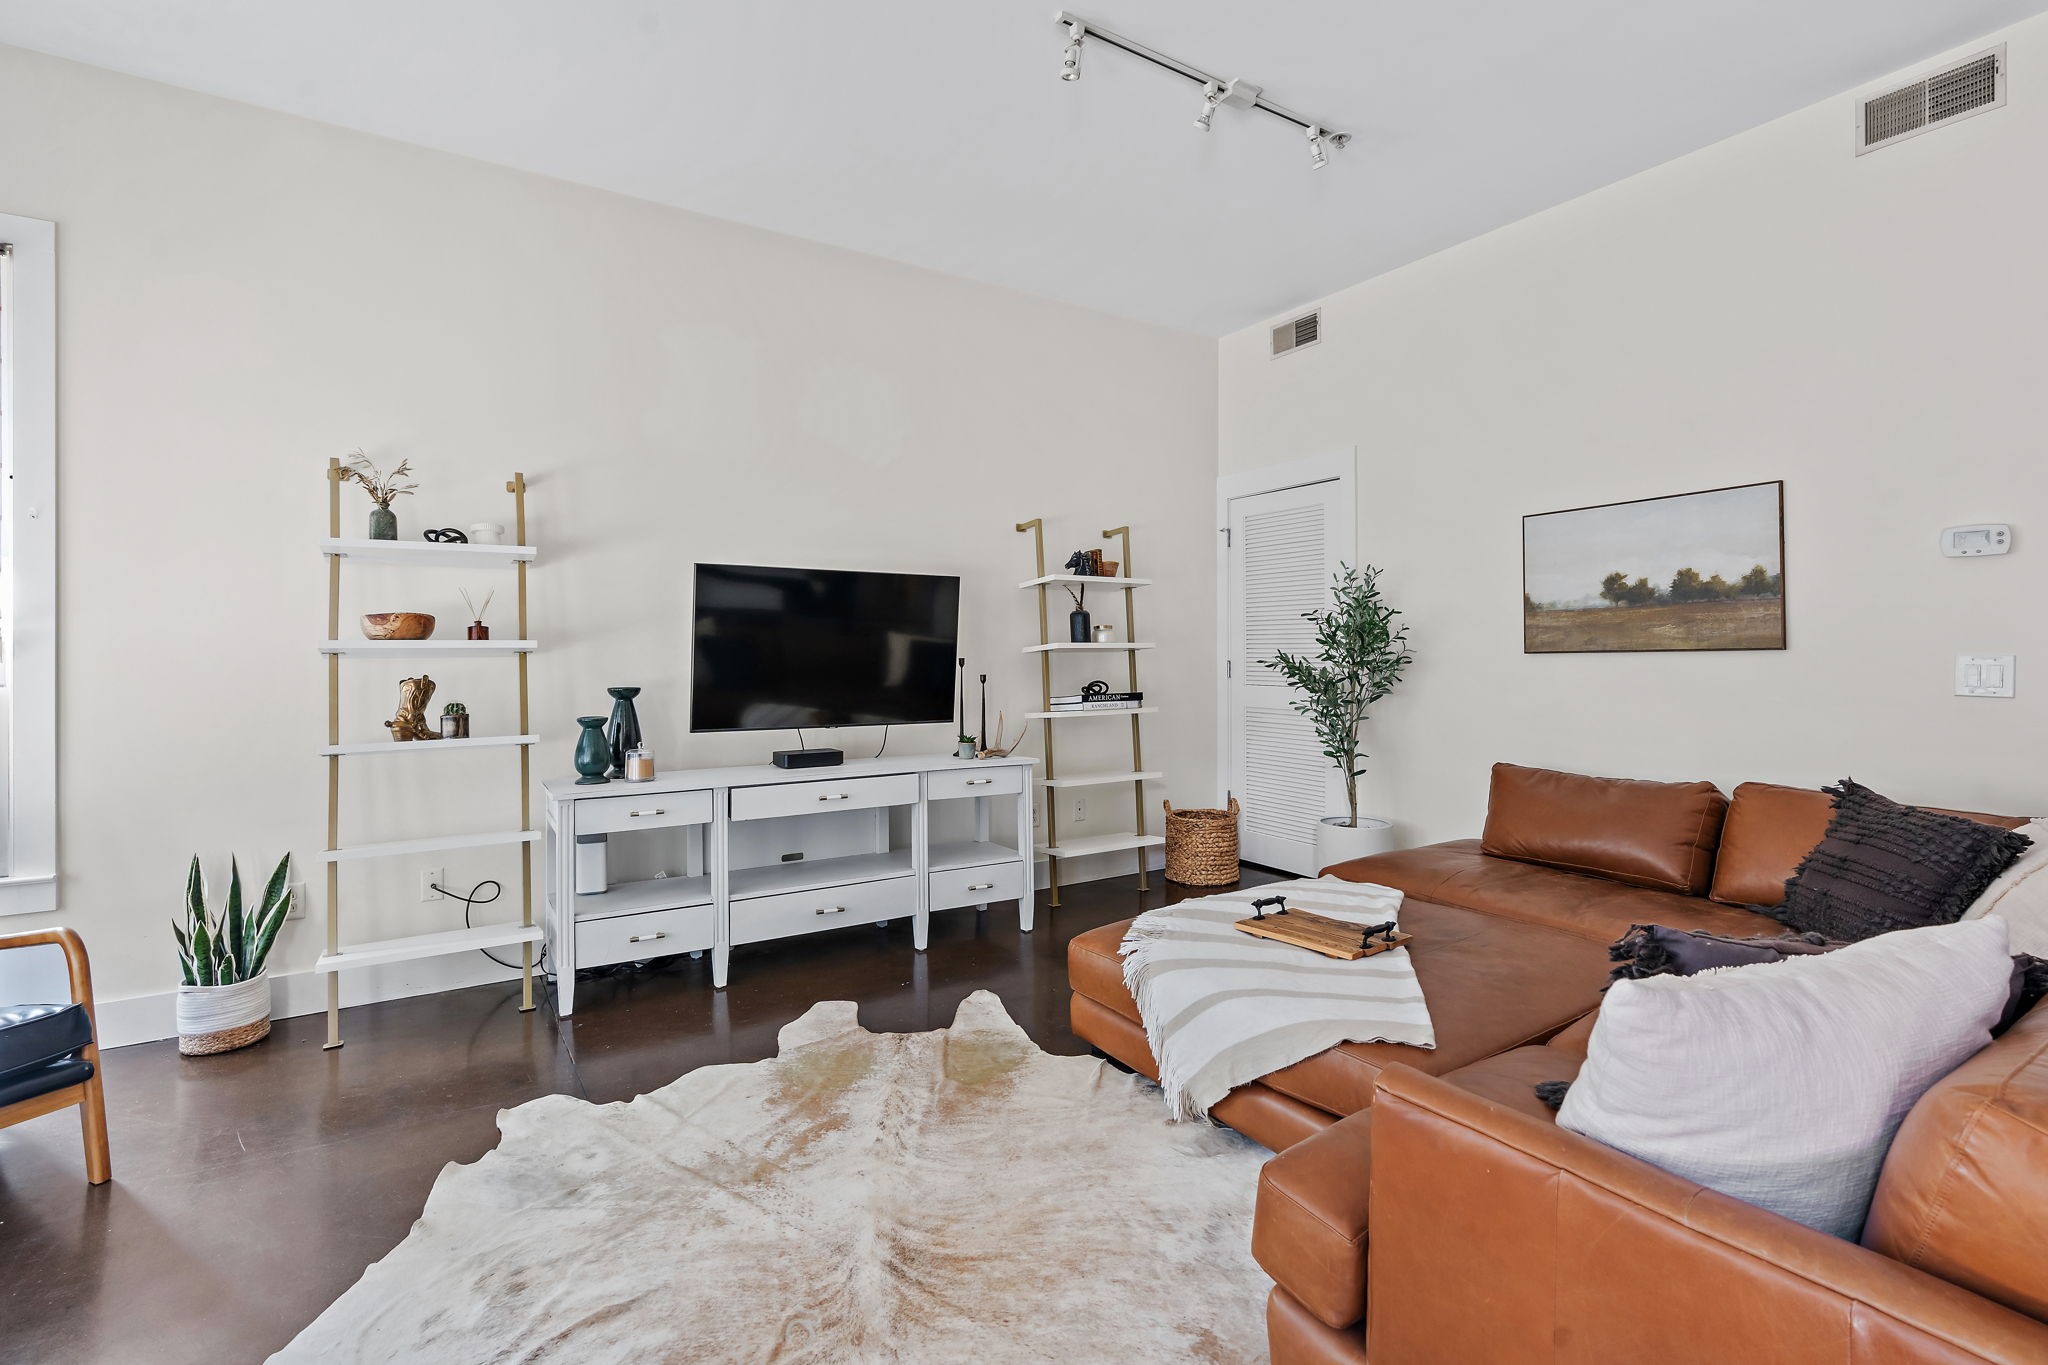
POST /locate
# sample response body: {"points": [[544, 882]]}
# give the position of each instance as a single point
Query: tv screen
{"points": [[785, 649]]}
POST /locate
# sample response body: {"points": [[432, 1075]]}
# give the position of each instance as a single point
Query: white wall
{"points": [[1869, 330], [243, 294]]}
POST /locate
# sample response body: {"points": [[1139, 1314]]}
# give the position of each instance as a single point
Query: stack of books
{"points": [[1099, 701]]}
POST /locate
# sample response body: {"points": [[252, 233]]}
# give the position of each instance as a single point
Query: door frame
{"points": [[1340, 465]]}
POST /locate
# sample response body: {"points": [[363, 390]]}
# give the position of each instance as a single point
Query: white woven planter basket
{"points": [[222, 1018]]}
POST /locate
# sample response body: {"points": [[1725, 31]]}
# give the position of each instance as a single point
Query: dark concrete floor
{"points": [[251, 1189]]}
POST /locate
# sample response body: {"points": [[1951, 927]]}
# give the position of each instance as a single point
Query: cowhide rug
{"points": [[951, 1196]]}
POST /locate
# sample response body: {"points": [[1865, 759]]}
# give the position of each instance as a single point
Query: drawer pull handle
{"points": [[648, 938], [636, 814], [833, 796], [978, 781], [830, 910], [982, 886]]}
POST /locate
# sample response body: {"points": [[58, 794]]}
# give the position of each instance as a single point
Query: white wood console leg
{"points": [[920, 860], [719, 957], [1027, 904]]}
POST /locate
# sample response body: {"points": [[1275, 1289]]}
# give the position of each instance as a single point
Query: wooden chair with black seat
{"points": [[50, 1056]]}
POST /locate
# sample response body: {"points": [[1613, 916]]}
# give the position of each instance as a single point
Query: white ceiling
{"points": [[937, 132]]}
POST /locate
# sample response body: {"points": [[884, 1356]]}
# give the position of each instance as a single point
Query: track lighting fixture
{"points": [[1070, 61], [1217, 93]]}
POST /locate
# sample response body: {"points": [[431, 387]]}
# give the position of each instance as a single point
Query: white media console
{"points": [[721, 856]]}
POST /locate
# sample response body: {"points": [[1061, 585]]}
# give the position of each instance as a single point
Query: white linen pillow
{"points": [[1782, 1083], [2020, 895]]}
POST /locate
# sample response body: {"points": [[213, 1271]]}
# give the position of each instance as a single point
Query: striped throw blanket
{"points": [[1221, 1007]]}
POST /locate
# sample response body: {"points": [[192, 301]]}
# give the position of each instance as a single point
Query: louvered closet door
{"points": [[1283, 548]]}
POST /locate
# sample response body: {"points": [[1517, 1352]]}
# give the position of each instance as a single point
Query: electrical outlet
{"points": [[1080, 809], [296, 907], [432, 877]]}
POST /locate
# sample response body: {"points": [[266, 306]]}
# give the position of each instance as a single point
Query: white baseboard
{"points": [[149, 1018]]}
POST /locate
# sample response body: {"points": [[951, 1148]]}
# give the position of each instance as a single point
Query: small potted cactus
{"points": [[455, 721]]}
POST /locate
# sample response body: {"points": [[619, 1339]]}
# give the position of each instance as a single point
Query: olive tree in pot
{"points": [[224, 994], [1359, 656]]}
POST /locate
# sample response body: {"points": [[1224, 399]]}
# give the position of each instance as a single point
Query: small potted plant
{"points": [[1360, 655], [224, 994], [455, 721], [383, 490]]}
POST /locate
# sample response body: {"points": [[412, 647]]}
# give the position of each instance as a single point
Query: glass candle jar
{"points": [[640, 764]]}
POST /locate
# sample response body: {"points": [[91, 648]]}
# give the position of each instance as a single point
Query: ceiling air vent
{"points": [[1969, 87], [1305, 330]]}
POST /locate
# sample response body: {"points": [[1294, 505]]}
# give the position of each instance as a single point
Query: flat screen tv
{"points": [[786, 649]]}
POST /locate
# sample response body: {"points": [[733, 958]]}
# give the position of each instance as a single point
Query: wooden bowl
{"points": [[397, 625]]}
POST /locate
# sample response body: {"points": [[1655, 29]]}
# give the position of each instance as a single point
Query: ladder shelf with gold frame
{"points": [[523, 933], [1140, 840]]}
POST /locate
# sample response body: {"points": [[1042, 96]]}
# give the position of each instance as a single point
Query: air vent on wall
{"points": [[1956, 92], [1305, 330]]}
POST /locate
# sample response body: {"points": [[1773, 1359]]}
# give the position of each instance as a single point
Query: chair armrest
{"points": [[1309, 1229], [76, 964], [1499, 1236]]}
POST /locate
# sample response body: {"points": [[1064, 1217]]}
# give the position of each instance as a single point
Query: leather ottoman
{"points": [[1492, 985]]}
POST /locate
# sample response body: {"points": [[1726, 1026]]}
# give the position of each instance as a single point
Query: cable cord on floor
{"points": [[474, 899]]}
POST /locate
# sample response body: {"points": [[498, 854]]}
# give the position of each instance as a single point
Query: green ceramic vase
{"points": [[593, 752], [383, 524]]}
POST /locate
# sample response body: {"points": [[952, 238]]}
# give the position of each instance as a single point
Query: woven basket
{"points": [[1201, 845], [215, 1019]]}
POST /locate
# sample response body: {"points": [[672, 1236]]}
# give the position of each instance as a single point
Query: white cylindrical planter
{"points": [[1337, 842], [222, 1018]]}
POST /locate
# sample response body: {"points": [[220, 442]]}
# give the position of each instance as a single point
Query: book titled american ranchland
{"points": [[1693, 571]]}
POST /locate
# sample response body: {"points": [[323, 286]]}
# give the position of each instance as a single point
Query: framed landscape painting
{"points": [[1691, 571]]}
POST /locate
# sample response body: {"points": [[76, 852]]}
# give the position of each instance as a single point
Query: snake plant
{"points": [[230, 947]]}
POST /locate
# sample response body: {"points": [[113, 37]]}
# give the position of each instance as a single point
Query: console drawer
{"points": [[653, 933], [829, 907], [958, 886], [808, 798], [947, 783], [655, 810]]}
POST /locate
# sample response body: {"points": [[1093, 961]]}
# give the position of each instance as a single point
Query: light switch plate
{"points": [[1984, 675]]}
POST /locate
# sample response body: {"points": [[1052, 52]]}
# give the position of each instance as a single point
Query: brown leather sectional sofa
{"points": [[1497, 1236]]}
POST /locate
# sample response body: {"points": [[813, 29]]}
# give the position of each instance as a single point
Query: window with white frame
{"points": [[28, 565]]}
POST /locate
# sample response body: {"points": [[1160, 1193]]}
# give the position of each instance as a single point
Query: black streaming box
{"points": [[809, 758]]}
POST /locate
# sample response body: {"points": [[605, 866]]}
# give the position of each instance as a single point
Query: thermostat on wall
{"points": [[1989, 539]]}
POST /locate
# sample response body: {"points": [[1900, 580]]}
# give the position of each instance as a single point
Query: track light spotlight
{"points": [[1212, 95], [1318, 148], [1070, 60]]}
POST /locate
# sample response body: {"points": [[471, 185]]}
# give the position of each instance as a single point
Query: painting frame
{"points": [[1536, 615]]}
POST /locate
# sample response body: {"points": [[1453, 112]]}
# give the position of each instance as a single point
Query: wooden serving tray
{"points": [[1336, 938]]}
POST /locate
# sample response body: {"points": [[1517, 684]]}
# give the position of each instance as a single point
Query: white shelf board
{"points": [[776, 878], [398, 848], [428, 552], [429, 649], [1092, 580], [1118, 711], [1077, 647], [1100, 843], [957, 854], [418, 746], [630, 898], [428, 945], [1099, 779]]}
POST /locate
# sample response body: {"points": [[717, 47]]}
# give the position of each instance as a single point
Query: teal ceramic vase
{"points": [[383, 524], [593, 753]]}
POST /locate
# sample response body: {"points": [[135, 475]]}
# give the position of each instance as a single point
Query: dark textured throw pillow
{"points": [[1883, 866]]}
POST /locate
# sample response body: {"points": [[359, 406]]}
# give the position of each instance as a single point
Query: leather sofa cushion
{"points": [[1491, 984], [1966, 1178], [28, 1082], [1294, 1337], [1655, 834], [36, 1035], [1770, 830], [1459, 873], [1314, 1209]]}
